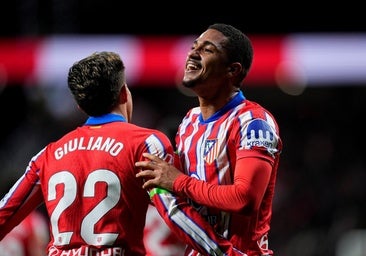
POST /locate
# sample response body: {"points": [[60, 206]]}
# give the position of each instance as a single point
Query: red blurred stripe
{"points": [[17, 59], [161, 63], [159, 66], [267, 57]]}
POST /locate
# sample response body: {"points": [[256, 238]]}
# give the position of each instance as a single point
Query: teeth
{"points": [[192, 67]]}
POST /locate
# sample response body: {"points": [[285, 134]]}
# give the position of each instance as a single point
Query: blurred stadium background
{"points": [[309, 70]]}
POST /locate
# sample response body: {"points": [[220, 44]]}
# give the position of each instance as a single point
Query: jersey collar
{"points": [[236, 100], [108, 118]]}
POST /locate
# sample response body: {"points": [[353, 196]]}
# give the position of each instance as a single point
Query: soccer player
{"points": [[229, 146], [86, 179]]}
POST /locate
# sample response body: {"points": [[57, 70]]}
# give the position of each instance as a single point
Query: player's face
{"points": [[206, 63]]}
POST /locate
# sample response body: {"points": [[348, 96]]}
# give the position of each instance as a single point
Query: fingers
{"points": [[151, 157], [145, 174], [147, 169], [145, 164], [148, 184]]}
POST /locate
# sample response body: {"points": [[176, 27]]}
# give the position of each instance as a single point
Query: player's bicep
{"points": [[252, 174]]}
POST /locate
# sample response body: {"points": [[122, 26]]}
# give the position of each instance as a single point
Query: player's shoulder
{"points": [[192, 114], [250, 104], [255, 108], [137, 130]]}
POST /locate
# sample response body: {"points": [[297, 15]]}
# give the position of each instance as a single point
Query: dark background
{"points": [[30, 17], [320, 195]]}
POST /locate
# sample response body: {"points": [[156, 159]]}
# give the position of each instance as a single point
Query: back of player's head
{"points": [[96, 82]]}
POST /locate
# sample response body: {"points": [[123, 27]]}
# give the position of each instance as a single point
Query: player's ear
{"points": [[234, 68], [123, 95]]}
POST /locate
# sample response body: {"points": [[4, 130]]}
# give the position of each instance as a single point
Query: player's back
{"points": [[90, 189]]}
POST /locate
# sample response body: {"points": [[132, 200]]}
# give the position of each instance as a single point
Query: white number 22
{"points": [[87, 224]]}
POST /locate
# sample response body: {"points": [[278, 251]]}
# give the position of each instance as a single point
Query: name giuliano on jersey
{"points": [[95, 203], [208, 150]]}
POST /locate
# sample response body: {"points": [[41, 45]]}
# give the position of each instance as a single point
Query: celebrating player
{"points": [[229, 146], [86, 179]]}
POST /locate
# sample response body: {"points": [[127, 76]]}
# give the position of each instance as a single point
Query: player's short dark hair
{"points": [[96, 82], [238, 46]]}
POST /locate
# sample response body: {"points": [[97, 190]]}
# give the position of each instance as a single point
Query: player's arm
{"points": [[21, 199], [251, 178], [189, 225]]}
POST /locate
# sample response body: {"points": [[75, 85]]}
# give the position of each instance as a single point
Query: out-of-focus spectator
{"points": [[159, 240], [29, 238]]}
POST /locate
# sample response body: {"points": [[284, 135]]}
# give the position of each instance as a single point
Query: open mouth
{"points": [[191, 66]]}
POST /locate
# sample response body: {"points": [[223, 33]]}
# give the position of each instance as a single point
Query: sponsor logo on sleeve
{"points": [[260, 134]]}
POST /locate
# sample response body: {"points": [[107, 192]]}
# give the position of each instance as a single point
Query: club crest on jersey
{"points": [[211, 150], [260, 134]]}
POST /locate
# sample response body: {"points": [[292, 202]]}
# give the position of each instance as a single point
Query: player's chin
{"points": [[189, 80]]}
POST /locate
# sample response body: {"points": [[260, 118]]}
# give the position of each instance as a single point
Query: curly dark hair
{"points": [[238, 46], [96, 81]]}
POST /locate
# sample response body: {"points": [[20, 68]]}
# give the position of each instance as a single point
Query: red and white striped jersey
{"points": [[209, 149]]}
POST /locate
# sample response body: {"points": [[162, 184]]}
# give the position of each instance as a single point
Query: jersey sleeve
{"points": [[189, 225], [22, 198], [251, 179]]}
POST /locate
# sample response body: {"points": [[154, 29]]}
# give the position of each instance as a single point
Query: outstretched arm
{"points": [[251, 178]]}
